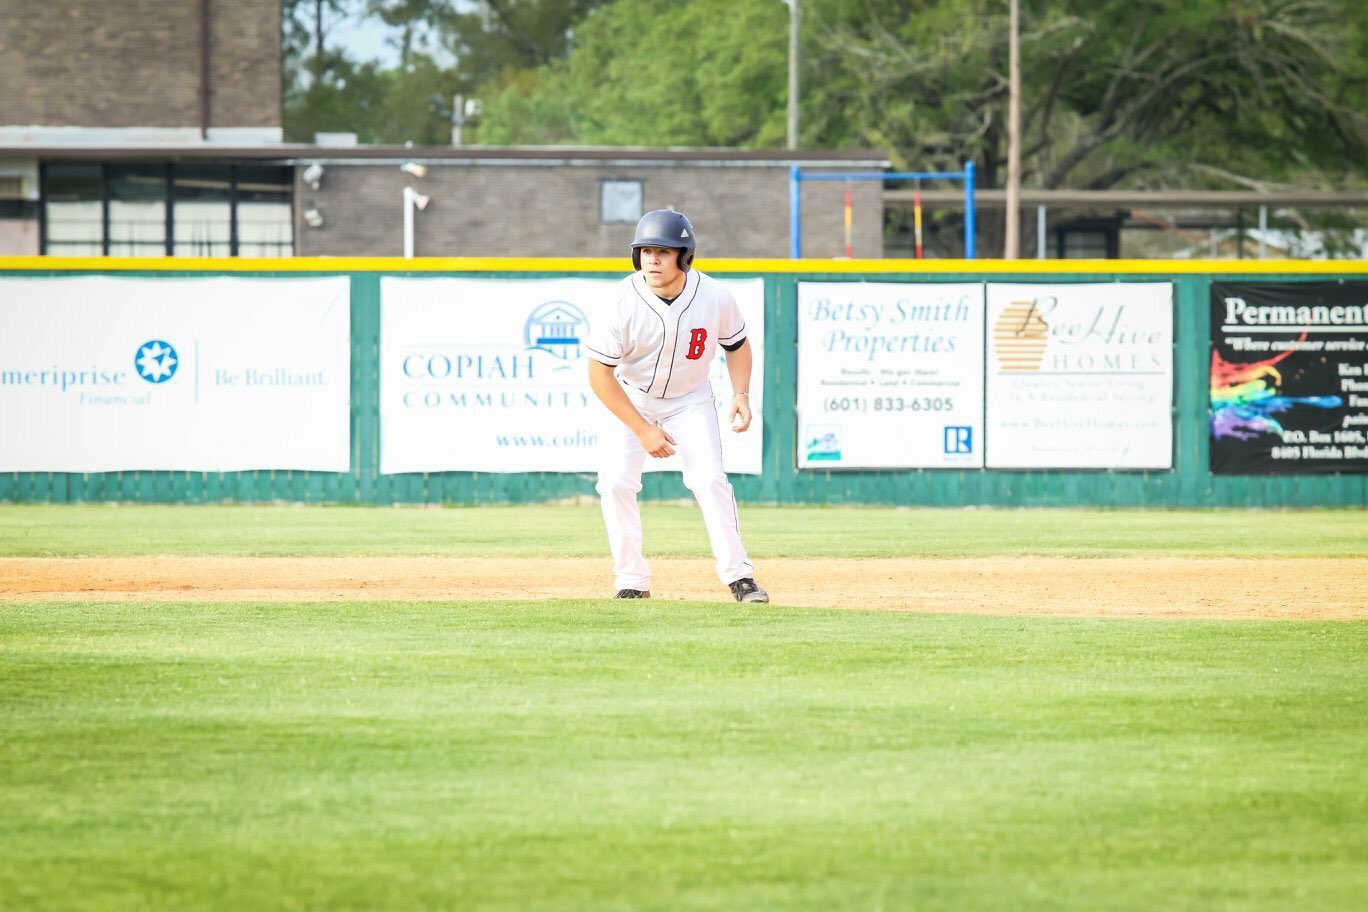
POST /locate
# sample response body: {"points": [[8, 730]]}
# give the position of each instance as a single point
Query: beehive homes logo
{"points": [[156, 361], [1020, 336], [557, 328]]}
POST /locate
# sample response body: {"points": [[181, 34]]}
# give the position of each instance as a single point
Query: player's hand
{"points": [[739, 416], [655, 441]]}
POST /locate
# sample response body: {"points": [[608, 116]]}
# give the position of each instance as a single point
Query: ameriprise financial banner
{"points": [[102, 374], [489, 375]]}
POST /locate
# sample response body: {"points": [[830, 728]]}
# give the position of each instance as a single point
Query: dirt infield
{"points": [[1105, 587]]}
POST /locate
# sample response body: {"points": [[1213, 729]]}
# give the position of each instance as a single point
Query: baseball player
{"points": [[649, 365]]}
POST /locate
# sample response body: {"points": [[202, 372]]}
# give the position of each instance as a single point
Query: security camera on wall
{"points": [[313, 174]]}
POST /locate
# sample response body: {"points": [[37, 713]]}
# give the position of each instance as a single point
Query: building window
{"points": [[203, 215], [137, 210], [1087, 241], [74, 210], [265, 212], [167, 210], [620, 201]]}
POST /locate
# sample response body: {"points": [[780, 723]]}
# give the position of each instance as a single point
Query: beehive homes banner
{"points": [[489, 375], [1080, 376], [890, 375], [1289, 377], [103, 374]]}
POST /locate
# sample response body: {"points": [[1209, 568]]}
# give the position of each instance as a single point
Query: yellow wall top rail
{"points": [[621, 265]]}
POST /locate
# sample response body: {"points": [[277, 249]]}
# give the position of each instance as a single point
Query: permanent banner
{"points": [[489, 375], [1289, 377], [890, 375], [1080, 376], [102, 374]]}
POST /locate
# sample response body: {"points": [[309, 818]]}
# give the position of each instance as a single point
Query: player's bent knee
{"points": [[707, 481], [621, 486]]}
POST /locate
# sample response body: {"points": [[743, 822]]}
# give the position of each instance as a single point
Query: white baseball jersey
{"points": [[662, 349]]}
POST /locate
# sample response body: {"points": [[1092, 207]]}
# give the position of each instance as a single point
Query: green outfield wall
{"points": [[1190, 483]]}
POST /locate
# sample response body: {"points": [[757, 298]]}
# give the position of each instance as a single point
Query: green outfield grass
{"points": [[675, 531], [592, 755], [600, 755]]}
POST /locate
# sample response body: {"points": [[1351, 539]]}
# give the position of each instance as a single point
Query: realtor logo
{"points": [[959, 439]]}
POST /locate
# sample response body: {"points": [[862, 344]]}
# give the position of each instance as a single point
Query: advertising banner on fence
{"points": [[1080, 376], [1289, 377], [489, 375], [102, 374], [890, 375]]}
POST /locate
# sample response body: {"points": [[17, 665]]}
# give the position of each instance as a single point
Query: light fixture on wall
{"points": [[313, 175], [412, 200], [313, 218]]}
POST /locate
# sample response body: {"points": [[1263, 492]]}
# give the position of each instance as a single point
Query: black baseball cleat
{"points": [[633, 593], [746, 590]]}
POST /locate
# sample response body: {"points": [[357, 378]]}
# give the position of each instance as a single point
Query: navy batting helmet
{"points": [[664, 228]]}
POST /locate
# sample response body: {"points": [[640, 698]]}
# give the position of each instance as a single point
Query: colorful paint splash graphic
{"points": [[1244, 397]]}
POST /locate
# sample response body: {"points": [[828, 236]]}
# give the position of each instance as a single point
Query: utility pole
{"points": [[794, 15], [1011, 241]]}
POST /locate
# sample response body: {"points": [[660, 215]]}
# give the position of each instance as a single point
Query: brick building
{"points": [[153, 127], [484, 201], [170, 71]]}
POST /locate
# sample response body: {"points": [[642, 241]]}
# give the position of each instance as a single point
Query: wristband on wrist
{"points": [[747, 395]]}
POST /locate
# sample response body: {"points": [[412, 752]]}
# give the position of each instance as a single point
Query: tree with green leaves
{"points": [[1140, 94], [490, 39], [704, 73], [327, 91], [1115, 92]]}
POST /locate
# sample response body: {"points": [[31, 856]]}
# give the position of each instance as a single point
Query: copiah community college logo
{"points": [[557, 328], [156, 361]]}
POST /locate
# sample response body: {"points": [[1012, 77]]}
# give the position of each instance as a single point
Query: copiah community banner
{"points": [[489, 375], [1080, 376], [1289, 377], [890, 375], [102, 374]]}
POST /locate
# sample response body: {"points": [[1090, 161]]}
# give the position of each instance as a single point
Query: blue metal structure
{"points": [[796, 178]]}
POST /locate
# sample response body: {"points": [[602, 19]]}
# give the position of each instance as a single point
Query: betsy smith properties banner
{"points": [[1289, 377], [102, 374], [1080, 376], [890, 375], [489, 375]]}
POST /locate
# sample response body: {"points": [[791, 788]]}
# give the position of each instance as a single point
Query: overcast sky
{"points": [[364, 40]]}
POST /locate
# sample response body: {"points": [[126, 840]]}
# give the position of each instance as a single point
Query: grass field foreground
{"points": [[674, 756]]}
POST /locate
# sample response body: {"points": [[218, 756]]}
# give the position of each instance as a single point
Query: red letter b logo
{"points": [[696, 339]]}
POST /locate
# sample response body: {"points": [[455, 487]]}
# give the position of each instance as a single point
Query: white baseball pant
{"points": [[691, 420]]}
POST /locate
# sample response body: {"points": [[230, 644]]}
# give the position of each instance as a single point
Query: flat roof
{"points": [[302, 152]]}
